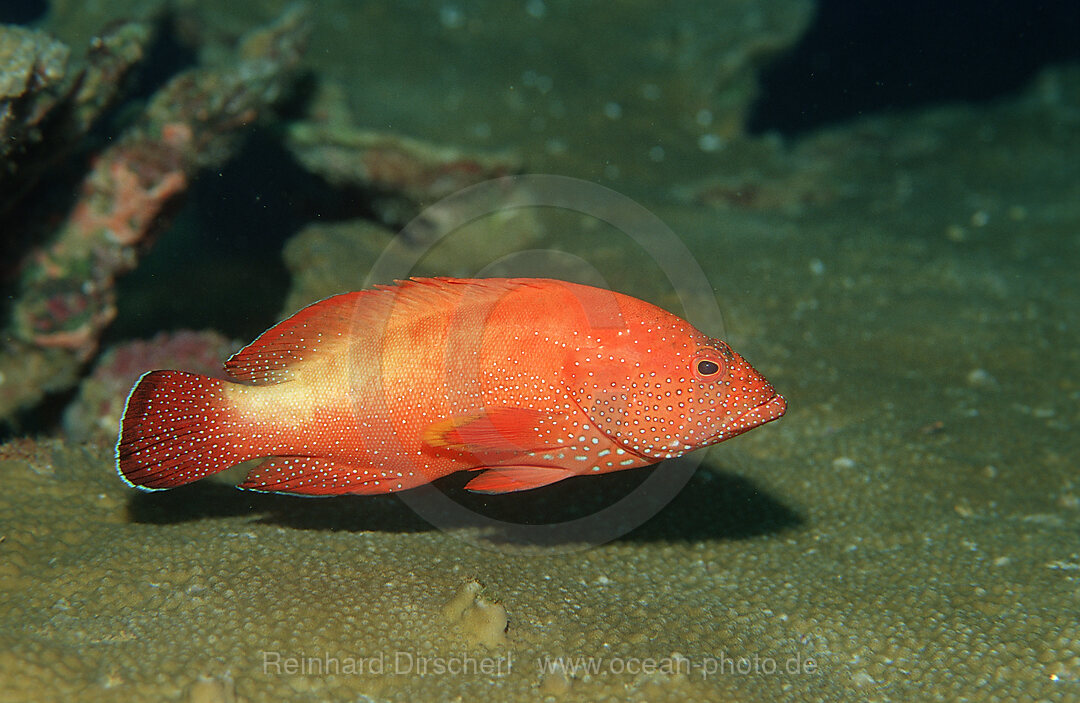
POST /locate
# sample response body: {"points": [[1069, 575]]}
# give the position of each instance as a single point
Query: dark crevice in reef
{"points": [[224, 249], [858, 58], [22, 11]]}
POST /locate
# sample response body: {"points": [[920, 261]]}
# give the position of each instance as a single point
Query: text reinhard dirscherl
{"points": [[405, 663], [400, 663]]}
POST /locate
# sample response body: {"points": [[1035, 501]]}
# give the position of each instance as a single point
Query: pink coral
{"points": [[122, 200], [95, 413]]}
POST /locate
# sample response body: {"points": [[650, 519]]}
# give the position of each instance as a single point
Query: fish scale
{"points": [[526, 381]]}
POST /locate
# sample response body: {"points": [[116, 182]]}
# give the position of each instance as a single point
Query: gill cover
{"points": [[654, 391]]}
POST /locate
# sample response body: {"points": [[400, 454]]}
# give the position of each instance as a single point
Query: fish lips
{"points": [[768, 410]]}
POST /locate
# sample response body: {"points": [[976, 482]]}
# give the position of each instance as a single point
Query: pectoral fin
{"points": [[499, 429]]}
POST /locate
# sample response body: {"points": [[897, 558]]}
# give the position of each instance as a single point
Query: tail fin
{"points": [[176, 429]]}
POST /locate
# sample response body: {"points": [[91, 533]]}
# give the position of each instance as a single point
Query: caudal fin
{"points": [[176, 429]]}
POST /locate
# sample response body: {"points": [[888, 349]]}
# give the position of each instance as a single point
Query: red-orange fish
{"points": [[532, 380]]}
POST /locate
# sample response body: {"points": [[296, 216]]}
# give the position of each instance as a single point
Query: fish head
{"points": [[660, 390]]}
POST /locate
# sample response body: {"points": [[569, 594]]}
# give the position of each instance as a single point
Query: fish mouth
{"points": [[771, 409]]}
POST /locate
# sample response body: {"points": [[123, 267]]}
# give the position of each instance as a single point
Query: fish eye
{"points": [[706, 368]]}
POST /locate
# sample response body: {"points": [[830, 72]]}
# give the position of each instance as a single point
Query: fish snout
{"points": [[771, 408]]}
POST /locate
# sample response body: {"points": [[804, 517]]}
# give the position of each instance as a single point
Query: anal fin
{"points": [[506, 479], [314, 476]]}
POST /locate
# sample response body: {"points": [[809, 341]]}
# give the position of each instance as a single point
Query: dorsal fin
{"points": [[270, 358]]}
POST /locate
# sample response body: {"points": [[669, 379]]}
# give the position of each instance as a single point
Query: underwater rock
{"points": [[480, 620], [719, 53], [761, 175], [32, 80], [841, 166], [67, 297], [47, 104], [752, 190], [95, 414], [327, 259], [399, 174]]}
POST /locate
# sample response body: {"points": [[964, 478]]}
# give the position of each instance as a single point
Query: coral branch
{"points": [[67, 295]]}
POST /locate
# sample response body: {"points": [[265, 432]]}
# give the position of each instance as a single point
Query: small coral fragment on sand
{"points": [[480, 620]]}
